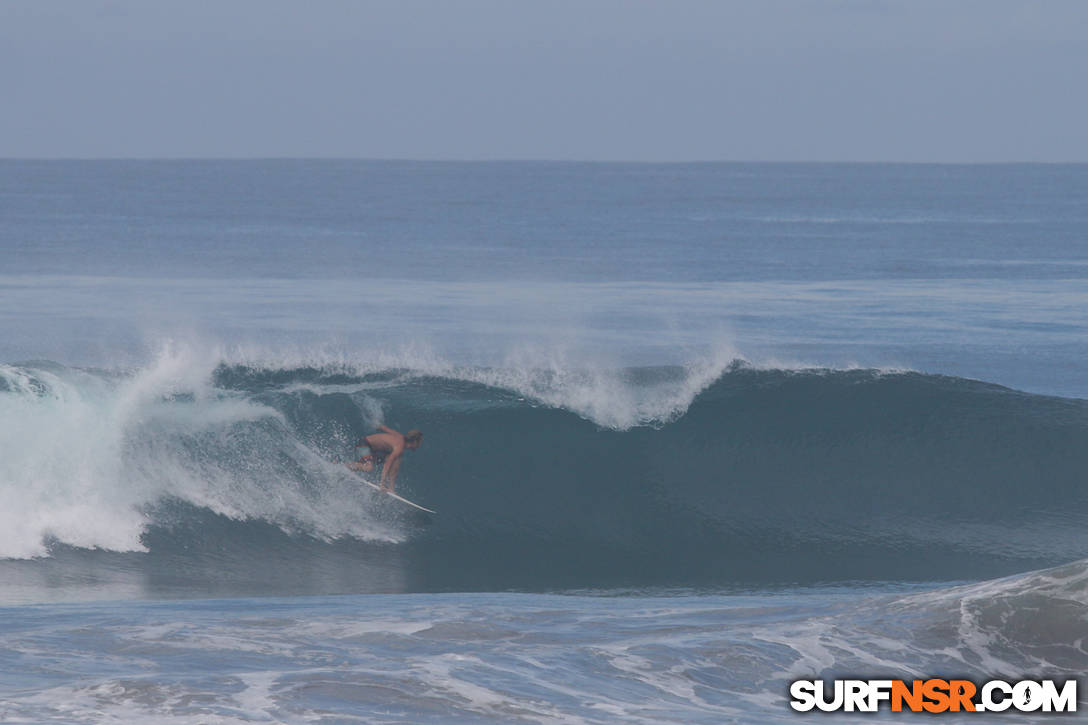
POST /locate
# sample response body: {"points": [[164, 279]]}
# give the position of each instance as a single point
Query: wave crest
{"points": [[712, 472]]}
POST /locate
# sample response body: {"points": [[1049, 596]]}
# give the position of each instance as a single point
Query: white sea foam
{"points": [[526, 658], [596, 390], [551, 376], [84, 455]]}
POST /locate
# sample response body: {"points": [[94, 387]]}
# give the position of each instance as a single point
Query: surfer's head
{"points": [[412, 439]]}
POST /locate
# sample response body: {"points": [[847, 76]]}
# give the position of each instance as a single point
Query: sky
{"points": [[610, 80]]}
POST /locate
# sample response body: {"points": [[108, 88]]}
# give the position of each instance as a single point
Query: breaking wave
{"points": [[710, 473]]}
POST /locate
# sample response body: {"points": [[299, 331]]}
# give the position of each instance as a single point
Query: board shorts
{"points": [[364, 454]]}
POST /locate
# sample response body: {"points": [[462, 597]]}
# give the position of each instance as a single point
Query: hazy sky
{"points": [[908, 80]]}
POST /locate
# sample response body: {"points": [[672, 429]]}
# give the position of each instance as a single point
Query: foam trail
{"points": [[507, 657]]}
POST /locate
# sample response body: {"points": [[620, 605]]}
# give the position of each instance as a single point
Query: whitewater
{"points": [[691, 431]]}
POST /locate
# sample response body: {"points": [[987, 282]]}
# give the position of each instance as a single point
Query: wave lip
{"points": [[612, 398]]}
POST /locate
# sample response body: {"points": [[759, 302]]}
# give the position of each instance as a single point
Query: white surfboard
{"points": [[413, 504]]}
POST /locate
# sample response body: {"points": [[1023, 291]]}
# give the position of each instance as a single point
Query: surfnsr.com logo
{"points": [[934, 695]]}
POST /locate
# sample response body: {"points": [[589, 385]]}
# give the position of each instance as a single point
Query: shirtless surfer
{"points": [[387, 448]]}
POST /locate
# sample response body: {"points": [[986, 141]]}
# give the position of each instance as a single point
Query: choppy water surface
{"points": [[804, 401]]}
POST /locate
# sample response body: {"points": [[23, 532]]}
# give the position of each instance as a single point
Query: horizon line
{"points": [[530, 160]]}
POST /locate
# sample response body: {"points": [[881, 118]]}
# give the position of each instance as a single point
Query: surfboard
{"points": [[413, 504]]}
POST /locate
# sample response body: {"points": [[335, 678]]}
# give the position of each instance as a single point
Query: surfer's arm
{"points": [[387, 429]]}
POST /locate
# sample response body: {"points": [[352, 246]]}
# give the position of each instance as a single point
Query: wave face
{"points": [[699, 475]]}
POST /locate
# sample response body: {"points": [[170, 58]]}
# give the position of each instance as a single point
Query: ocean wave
{"points": [[706, 473]]}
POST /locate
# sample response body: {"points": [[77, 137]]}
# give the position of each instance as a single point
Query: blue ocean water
{"points": [[692, 431]]}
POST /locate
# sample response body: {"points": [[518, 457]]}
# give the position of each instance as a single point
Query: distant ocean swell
{"points": [[653, 476]]}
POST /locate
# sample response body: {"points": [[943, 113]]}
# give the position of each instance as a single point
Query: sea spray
{"points": [[88, 456]]}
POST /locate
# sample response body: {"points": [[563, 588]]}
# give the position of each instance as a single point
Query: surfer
{"points": [[387, 448]]}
